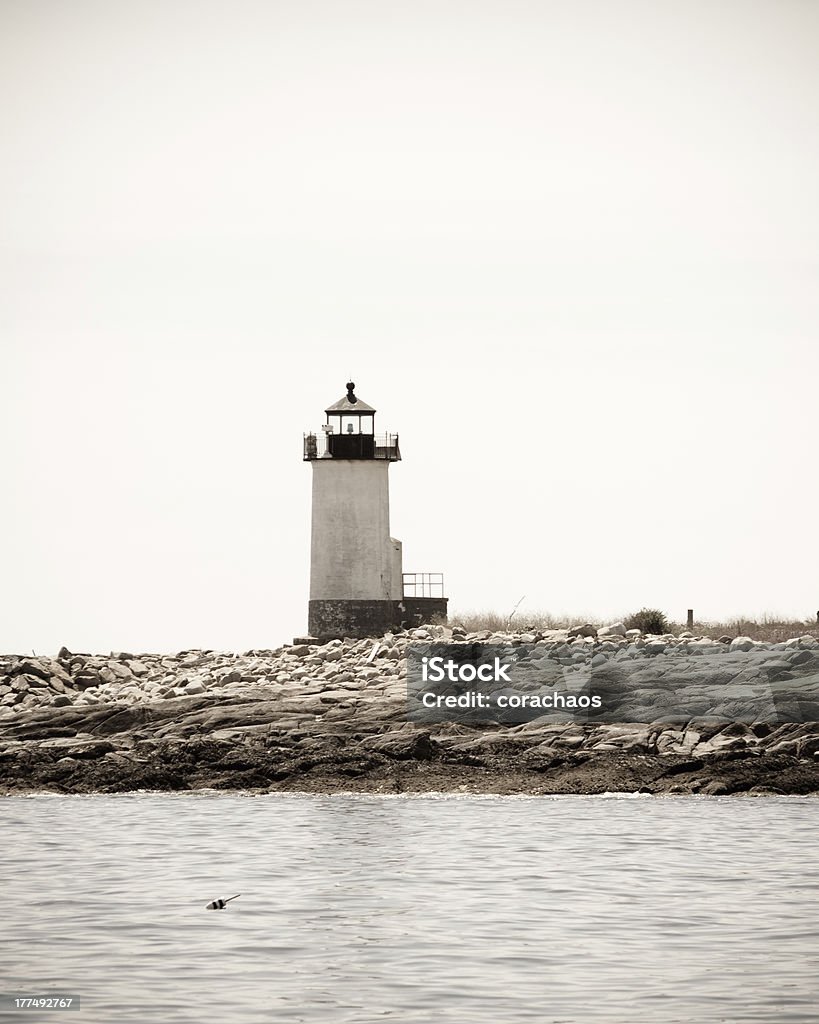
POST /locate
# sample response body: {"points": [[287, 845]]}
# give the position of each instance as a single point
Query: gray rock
{"points": [[789, 747], [35, 682], [615, 629], [715, 788], [86, 679], [402, 744], [32, 668]]}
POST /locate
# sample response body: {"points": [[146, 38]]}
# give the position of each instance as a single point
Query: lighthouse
{"points": [[357, 584]]}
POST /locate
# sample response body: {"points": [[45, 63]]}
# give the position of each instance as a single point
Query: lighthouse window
{"points": [[356, 425], [346, 423]]}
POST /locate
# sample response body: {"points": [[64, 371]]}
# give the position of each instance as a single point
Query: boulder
{"points": [[31, 668], [86, 679], [402, 745], [615, 629], [715, 788], [789, 747], [34, 682]]}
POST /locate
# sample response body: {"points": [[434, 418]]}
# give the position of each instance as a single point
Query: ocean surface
{"points": [[454, 909]]}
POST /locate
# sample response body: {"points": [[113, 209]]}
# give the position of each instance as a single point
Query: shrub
{"points": [[648, 620]]}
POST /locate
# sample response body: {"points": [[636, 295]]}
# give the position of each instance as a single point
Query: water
{"points": [[413, 909]]}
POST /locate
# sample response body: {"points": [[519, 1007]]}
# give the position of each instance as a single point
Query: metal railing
{"points": [[351, 446], [423, 584]]}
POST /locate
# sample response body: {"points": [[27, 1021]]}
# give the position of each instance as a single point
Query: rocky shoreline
{"points": [[324, 718]]}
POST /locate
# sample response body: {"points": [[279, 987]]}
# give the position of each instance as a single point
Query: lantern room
{"points": [[349, 433]]}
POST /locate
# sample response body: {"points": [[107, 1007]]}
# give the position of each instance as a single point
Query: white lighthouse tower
{"points": [[356, 578]]}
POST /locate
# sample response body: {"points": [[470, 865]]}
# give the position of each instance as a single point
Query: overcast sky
{"points": [[568, 250]]}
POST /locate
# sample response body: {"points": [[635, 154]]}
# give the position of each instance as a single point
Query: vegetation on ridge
{"points": [[771, 628]]}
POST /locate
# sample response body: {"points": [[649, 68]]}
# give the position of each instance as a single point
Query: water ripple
{"points": [[467, 910]]}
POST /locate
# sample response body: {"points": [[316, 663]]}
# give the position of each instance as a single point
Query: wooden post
{"points": [[690, 623]]}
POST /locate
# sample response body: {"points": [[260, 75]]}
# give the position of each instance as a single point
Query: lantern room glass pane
{"points": [[356, 424]]}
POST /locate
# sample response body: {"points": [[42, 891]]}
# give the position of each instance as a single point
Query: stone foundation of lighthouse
{"points": [[328, 620]]}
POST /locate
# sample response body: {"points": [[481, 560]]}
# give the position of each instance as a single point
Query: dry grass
{"points": [[769, 627], [475, 621]]}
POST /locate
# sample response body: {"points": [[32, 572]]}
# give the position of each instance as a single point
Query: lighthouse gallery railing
{"points": [[351, 446], [423, 584]]}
